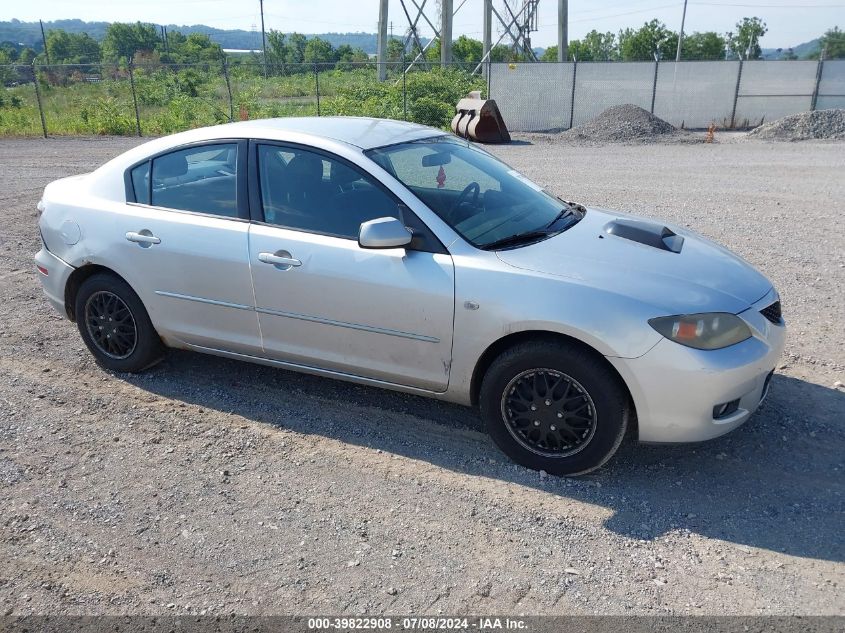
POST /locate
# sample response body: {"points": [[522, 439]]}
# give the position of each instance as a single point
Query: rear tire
{"points": [[554, 406], [115, 325]]}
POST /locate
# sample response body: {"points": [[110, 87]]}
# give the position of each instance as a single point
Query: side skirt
{"points": [[315, 371]]}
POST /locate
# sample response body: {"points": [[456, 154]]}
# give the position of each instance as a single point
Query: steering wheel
{"points": [[472, 189]]}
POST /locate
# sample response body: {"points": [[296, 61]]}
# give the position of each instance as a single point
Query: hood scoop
{"points": [[648, 233]]}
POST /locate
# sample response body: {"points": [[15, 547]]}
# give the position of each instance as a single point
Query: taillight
{"points": [[42, 270]]}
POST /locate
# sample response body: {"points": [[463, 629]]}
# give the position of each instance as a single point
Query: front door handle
{"points": [[282, 259], [144, 238]]}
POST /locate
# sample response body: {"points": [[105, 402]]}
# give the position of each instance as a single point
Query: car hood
{"points": [[629, 256]]}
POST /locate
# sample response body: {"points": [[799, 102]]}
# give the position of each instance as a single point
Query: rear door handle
{"points": [[143, 238], [282, 259]]}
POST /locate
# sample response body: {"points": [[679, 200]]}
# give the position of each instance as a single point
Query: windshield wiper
{"points": [[517, 239], [565, 212]]}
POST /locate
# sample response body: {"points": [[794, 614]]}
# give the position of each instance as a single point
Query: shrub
{"points": [[108, 116], [430, 111]]}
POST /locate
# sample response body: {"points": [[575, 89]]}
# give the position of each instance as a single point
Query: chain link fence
{"points": [[151, 99], [693, 94]]}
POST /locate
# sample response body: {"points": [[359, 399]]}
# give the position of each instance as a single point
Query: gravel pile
{"points": [[623, 123], [821, 124]]}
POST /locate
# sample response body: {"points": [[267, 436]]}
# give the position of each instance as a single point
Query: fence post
{"points": [[228, 88], [819, 69], [572, 94], [38, 99], [736, 93], [134, 98], [489, 68], [654, 84], [404, 88], [317, 87]]}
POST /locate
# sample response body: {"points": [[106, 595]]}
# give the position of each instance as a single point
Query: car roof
{"points": [[363, 132]]}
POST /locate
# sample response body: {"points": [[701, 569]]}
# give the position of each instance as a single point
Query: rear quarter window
{"points": [[141, 183]]}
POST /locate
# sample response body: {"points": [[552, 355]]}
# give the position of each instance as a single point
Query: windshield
{"points": [[483, 199]]}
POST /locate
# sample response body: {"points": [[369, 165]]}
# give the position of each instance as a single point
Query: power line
{"points": [[770, 6]]}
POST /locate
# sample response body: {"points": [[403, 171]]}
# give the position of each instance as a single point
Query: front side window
{"points": [[482, 198], [201, 179], [312, 192]]}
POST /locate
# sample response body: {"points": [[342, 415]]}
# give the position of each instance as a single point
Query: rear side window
{"points": [[201, 179], [141, 183]]}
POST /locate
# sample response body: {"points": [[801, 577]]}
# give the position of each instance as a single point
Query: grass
{"points": [[170, 101]]}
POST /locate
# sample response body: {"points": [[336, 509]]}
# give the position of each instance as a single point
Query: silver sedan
{"points": [[396, 255]]}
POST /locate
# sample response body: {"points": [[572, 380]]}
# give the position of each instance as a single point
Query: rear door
{"points": [[381, 314], [183, 245]]}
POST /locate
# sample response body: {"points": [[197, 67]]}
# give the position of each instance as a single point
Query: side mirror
{"points": [[384, 233]]}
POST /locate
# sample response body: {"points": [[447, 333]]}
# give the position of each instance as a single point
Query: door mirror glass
{"points": [[384, 233]]}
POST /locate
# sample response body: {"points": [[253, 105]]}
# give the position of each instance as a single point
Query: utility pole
{"points": [[382, 40], [263, 38], [562, 30], [681, 34], [487, 28], [44, 39], [445, 33]]}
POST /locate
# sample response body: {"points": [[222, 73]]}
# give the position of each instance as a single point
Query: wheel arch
{"points": [[506, 342], [77, 278]]}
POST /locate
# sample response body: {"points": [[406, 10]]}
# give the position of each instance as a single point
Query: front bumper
{"points": [[54, 282], [675, 388]]}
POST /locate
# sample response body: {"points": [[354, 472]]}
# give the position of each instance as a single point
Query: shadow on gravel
{"points": [[776, 483]]}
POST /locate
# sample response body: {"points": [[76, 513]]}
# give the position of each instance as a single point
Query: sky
{"points": [[790, 22]]}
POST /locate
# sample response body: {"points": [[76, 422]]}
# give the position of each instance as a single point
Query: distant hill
{"points": [[29, 34], [803, 51]]}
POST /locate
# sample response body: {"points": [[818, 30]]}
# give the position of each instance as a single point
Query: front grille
{"points": [[772, 312]]}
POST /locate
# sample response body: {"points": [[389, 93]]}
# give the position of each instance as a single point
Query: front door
{"points": [[322, 300]]}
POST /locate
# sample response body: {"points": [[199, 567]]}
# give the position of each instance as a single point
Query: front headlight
{"points": [[711, 330]]}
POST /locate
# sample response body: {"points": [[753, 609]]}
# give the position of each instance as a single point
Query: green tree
{"points": [[346, 56], [199, 47], [26, 55], [318, 51], [432, 53], [7, 74], [577, 50], [601, 46], [504, 53], [651, 37], [295, 49], [598, 47], [394, 50], [745, 44], [833, 44], [550, 54], [466, 49], [72, 48], [708, 45], [123, 40], [277, 47]]}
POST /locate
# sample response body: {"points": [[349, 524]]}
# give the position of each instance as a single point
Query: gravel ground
{"points": [[208, 485]]}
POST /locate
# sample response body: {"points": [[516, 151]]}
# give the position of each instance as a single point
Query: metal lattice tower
{"points": [[515, 19]]}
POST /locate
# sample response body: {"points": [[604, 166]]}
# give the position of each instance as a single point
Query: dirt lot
{"points": [[211, 486]]}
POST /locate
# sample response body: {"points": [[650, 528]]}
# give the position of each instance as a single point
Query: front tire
{"points": [[115, 325], [554, 406]]}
